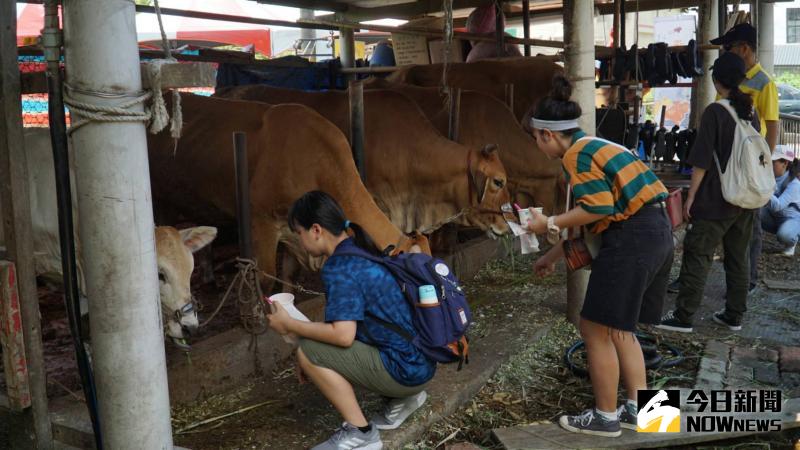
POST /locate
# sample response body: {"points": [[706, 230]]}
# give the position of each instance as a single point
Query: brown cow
{"points": [[291, 150], [416, 175], [532, 176], [531, 78]]}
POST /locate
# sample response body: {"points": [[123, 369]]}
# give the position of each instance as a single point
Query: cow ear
{"points": [[196, 238], [488, 150]]}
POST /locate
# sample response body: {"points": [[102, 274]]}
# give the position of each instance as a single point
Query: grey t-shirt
{"points": [[715, 133]]}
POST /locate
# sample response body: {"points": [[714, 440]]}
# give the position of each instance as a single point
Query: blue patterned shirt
{"points": [[355, 286]]}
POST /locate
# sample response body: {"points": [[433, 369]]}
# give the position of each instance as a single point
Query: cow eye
{"points": [[161, 277], [498, 183]]}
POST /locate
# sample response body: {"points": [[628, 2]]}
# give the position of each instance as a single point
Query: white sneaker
{"points": [[397, 411], [789, 251]]}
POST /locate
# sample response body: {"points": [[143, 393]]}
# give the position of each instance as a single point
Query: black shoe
{"points": [[671, 323], [695, 59], [720, 318], [674, 287]]}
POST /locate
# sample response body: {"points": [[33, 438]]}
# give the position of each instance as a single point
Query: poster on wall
{"points": [[674, 30]]}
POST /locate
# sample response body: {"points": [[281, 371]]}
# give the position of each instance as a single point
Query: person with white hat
{"points": [[781, 216]]}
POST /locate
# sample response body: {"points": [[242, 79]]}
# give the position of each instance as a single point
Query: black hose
{"points": [[650, 345], [58, 137]]}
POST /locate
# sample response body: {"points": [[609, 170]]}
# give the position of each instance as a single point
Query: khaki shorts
{"points": [[360, 364]]}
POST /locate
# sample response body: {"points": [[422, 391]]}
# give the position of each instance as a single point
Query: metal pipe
{"points": [[242, 177], [766, 36], [499, 32], [509, 93], [347, 49], [526, 24], [454, 117], [356, 97], [233, 18], [52, 40], [113, 182]]}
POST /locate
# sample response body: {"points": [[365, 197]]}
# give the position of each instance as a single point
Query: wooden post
{"points": [[526, 24], [242, 195], [356, 96], [455, 113], [17, 230]]}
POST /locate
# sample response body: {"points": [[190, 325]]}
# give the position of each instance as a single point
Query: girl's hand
{"points": [[279, 319], [544, 266], [539, 223]]}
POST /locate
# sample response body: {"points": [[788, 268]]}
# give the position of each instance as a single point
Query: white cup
{"points": [[284, 298], [526, 215]]}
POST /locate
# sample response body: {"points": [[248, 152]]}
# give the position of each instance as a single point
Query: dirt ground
{"points": [[534, 385]]}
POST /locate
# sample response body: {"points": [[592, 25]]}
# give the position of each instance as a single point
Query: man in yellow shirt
{"points": [[743, 41]]}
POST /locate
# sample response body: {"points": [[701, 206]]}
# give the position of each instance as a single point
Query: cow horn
{"points": [[488, 149]]}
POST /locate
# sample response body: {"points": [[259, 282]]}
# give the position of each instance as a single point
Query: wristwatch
{"points": [[553, 232]]}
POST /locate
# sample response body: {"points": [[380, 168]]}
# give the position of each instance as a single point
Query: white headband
{"points": [[554, 125]]}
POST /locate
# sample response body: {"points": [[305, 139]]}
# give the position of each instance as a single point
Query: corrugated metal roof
{"points": [[787, 55]]}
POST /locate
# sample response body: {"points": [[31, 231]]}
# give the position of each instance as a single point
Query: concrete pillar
{"points": [[579, 57], [766, 36], [579, 64], [708, 28], [347, 49], [116, 222]]}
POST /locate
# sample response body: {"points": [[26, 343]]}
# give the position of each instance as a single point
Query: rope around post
{"points": [[85, 112], [246, 278]]}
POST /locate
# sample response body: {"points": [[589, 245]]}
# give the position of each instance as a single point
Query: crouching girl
{"points": [[352, 347]]}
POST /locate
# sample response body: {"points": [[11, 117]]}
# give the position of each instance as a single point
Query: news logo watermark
{"points": [[714, 411], [659, 411]]}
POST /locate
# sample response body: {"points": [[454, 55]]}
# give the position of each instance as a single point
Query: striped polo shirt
{"points": [[762, 88], [607, 179]]}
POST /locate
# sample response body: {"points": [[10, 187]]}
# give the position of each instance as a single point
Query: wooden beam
{"points": [[229, 18], [608, 8], [16, 224]]}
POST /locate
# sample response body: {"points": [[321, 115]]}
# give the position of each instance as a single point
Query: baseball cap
{"points": [[742, 32], [783, 152], [729, 69]]}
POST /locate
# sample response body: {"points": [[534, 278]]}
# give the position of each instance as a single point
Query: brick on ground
{"points": [[744, 355], [717, 350], [462, 446], [767, 373], [790, 359]]}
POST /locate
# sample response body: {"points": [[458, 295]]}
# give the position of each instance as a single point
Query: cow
{"points": [[174, 247], [531, 78], [532, 176], [291, 149], [417, 176]]}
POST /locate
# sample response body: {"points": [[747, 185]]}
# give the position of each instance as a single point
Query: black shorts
{"points": [[630, 274]]}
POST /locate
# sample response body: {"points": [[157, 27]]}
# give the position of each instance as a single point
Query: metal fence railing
{"points": [[790, 131]]}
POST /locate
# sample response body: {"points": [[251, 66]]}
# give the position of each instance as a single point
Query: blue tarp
{"points": [[291, 72]]}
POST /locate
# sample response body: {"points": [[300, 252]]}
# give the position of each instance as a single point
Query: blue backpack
{"points": [[441, 328]]}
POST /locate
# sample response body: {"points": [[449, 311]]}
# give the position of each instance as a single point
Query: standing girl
{"points": [[618, 197], [352, 347]]}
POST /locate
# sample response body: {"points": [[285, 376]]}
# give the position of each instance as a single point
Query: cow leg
{"points": [[289, 269], [265, 246]]}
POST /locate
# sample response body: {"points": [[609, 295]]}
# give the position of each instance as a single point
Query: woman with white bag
{"points": [[713, 220]]}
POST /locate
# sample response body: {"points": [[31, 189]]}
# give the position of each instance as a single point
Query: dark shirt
{"points": [[355, 286], [715, 133]]}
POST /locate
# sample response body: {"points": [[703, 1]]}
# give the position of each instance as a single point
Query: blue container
{"points": [[427, 294], [382, 56]]}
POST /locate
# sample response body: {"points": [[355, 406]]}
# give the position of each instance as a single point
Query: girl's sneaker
{"points": [[627, 416], [397, 411], [589, 422], [349, 437]]}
